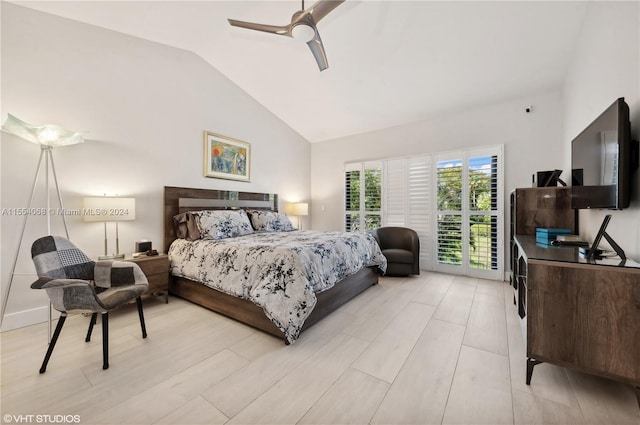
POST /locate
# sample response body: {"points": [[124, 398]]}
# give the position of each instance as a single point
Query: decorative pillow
{"points": [[186, 226], [222, 224], [270, 221]]}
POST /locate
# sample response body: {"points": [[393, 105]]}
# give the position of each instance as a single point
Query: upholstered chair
{"points": [[401, 247], [76, 284]]}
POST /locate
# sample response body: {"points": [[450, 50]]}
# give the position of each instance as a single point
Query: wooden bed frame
{"points": [[179, 199]]}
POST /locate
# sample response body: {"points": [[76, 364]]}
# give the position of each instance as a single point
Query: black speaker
{"points": [[143, 246], [549, 178]]}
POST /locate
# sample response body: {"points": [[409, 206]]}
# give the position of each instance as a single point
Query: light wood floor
{"points": [[425, 350]]}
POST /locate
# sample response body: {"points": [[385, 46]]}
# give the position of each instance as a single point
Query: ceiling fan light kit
{"points": [[303, 32], [302, 27]]}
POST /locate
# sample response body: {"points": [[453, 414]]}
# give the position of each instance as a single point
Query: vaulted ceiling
{"points": [[390, 62]]}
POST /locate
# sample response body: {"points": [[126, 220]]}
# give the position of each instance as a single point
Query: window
{"points": [[453, 201], [363, 196], [449, 211], [407, 198], [469, 213], [483, 207]]}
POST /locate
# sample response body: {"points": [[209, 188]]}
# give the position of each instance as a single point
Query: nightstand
{"points": [[156, 269]]}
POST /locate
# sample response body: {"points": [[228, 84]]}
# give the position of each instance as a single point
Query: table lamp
{"points": [[110, 209], [297, 209]]}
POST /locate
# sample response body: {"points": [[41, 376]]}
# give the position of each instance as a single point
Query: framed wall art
{"points": [[226, 158]]}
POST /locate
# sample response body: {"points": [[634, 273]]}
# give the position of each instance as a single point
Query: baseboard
{"points": [[24, 318]]}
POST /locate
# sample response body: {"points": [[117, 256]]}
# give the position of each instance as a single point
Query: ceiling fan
{"points": [[302, 27]]}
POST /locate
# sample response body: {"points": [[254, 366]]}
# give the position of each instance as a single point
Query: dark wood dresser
{"points": [[578, 314]]}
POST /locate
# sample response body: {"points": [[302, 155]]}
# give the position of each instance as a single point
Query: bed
{"points": [[188, 283]]}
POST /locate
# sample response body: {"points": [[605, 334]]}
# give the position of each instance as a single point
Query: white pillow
{"points": [[222, 224], [270, 221]]}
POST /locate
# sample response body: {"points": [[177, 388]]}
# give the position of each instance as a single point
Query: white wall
{"points": [[606, 66], [532, 142], [145, 107]]}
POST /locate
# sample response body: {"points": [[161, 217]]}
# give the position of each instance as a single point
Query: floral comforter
{"points": [[280, 272]]}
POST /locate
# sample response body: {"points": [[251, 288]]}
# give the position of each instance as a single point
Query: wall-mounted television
{"points": [[602, 159]]}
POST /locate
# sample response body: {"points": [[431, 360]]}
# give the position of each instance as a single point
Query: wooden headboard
{"points": [[181, 199]]}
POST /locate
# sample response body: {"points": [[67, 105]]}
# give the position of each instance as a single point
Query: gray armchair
{"points": [[75, 283], [401, 247]]}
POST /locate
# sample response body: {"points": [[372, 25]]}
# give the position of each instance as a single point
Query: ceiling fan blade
{"points": [[322, 8], [274, 29], [301, 20], [318, 51]]}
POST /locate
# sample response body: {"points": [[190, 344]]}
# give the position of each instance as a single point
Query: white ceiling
{"points": [[390, 62]]}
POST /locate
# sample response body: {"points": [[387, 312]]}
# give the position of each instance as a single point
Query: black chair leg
{"points": [[530, 364], [94, 317], [105, 340], [142, 325], [52, 344]]}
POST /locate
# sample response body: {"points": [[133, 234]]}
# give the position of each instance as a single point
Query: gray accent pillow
{"points": [[186, 226]]}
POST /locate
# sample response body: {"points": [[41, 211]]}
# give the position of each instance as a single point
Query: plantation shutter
{"points": [[468, 210], [407, 198], [452, 200], [419, 204], [363, 196], [450, 180], [395, 190], [352, 197], [372, 195], [483, 216]]}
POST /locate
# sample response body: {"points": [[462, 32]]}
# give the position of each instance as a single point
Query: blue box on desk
{"points": [[545, 236]]}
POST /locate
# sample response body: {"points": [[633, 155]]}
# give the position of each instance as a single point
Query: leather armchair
{"points": [[401, 247]]}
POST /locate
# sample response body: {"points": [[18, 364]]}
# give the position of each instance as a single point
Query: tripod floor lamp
{"points": [[48, 137]]}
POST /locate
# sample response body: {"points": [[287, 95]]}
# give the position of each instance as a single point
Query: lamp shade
{"points": [[109, 208], [45, 135], [297, 209]]}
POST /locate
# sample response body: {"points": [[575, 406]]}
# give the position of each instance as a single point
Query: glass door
{"points": [[468, 211]]}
